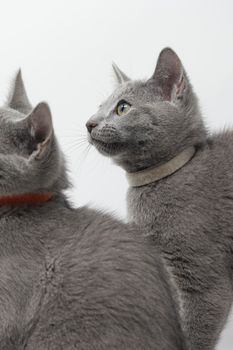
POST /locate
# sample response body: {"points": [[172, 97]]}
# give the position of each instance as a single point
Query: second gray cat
{"points": [[70, 278], [181, 187]]}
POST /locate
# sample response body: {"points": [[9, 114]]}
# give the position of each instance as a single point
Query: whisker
{"points": [[82, 159], [75, 148]]}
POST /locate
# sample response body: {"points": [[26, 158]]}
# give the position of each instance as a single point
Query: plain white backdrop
{"points": [[65, 50]]}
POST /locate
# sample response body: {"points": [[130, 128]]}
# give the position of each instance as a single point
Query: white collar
{"points": [[152, 174]]}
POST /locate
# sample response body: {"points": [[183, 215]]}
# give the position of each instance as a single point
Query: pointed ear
{"points": [[18, 99], [169, 75], [120, 76], [41, 127]]}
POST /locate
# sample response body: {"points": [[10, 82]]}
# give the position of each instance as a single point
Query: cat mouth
{"points": [[107, 148]]}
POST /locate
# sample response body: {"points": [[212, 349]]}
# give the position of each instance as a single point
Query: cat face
{"points": [[30, 159], [145, 123]]}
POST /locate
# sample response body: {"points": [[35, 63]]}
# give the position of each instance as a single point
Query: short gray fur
{"points": [[189, 214], [71, 278]]}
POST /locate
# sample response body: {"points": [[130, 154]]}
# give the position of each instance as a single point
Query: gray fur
{"points": [[72, 278], [188, 215], [18, 98]]}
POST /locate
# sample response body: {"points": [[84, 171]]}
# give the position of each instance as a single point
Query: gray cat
{"points": [[181, 187], [70, 278]]}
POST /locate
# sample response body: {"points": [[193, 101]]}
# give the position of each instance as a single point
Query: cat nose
{"points": [[90, 126]]}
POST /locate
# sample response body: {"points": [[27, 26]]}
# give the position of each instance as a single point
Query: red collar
{"points": [[27, 198]]}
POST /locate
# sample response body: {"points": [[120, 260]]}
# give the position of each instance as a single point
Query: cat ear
{"points": [[120, 76], [169, 75], [18, 99], [41, 127]]}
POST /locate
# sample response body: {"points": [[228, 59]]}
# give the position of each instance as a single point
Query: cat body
{"points": [[187, 210], [188, 216], [70, 278], [72, 285]]}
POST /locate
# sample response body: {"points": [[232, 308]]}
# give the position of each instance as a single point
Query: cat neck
{"points": [[156, 173], [25, 199]]}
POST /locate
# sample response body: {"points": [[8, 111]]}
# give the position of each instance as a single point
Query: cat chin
{"points": [[108, 149]]}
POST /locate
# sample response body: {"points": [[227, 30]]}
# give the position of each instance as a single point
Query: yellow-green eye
{"points": [[122, 108]]}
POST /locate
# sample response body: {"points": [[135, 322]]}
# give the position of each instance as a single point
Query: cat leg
{"points": [[205, 316]]}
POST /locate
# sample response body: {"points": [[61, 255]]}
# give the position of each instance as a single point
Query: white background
{"points": [[65, 49]]}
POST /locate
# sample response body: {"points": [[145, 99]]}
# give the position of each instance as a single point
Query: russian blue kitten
{"points": [[181, 189], [70, 278]]}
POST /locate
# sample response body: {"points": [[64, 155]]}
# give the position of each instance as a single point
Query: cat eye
{"points": [[122, 108]]}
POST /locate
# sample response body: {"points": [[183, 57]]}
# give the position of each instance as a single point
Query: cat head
{"points": [[145, 123], [30, 158]]}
